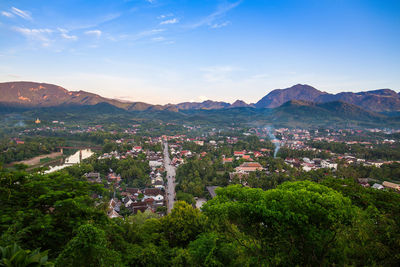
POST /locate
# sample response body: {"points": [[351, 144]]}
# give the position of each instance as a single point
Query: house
{"points": [[158, 198], [378, 186], [186, 153], [308, 166], [391, 185], [151, 192], [159, 184], [113, 208], [249, 167], [93, 177], [155, 163], [227, 160], [114, 178], [114, 214], [133, 191], [247, 157], [239, 153], [136, 206], [257, 154], [137, 149], [363, 182], [329, 165], [198, 142]]}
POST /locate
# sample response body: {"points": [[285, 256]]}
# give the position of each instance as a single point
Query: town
{"points": [[132, 166]]}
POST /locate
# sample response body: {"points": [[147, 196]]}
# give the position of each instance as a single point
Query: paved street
{"points": [[171, 179]]}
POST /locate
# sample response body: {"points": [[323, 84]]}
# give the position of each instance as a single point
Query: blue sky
{"points": [[164, 51]]}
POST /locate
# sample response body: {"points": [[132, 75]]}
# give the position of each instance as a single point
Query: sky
{"points": [[165, 51]]}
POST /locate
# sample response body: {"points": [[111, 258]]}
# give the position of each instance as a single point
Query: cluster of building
{"points": [[134, 200], [366, 182]]}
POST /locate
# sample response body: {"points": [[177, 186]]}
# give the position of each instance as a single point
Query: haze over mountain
{"points": [[31, 95]]}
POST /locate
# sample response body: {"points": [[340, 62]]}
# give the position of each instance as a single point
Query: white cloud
{"points": [[221, 11], [69, 37], [163, 16], [20, 13], [150, 1], [148, 33], [7, 14], [96, 33], [220, 25], [35, 34], [65, 35], [158, 39], [170, 21]]}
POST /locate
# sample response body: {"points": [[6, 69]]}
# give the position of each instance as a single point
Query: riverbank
{"points": [[37, 160]]}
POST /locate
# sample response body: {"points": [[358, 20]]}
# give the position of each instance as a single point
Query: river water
{"points": [[71, 160]]}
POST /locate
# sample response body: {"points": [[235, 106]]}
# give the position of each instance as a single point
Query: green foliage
{"points": [[297, 223], [183, 224], [46, 207], [336, 222], [88, 248], [15, 256], [188, 198]]}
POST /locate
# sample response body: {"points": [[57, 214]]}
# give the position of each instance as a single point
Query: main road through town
{"points": [[171, 179]]}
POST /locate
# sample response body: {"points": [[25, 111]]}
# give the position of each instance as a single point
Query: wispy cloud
{"points": [[65, 35], [96, 33], [158, 39], [163, 16], [20, 13], [149, 33], [220, 12], [220, 25], [94, 23], [42, 35], [7, 14], [169, 21]]}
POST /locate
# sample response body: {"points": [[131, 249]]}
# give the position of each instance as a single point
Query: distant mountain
{"points": [[383, 100], [33, 95], [29, 94], [22, 95], [278, 97], [208, 104], [240, 104]]}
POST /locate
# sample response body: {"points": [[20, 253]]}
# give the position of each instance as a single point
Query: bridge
{"points": [[80, 147]]}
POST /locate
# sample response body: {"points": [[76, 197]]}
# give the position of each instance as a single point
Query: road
{"points": [[171, 179]]}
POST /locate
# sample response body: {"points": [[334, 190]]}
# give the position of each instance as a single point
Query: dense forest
{"points": [[333, 222]]}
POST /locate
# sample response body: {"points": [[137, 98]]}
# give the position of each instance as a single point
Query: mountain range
{"points": [[34, 95]]}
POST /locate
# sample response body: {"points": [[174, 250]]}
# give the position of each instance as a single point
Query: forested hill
{"points": [[291, 114]]}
